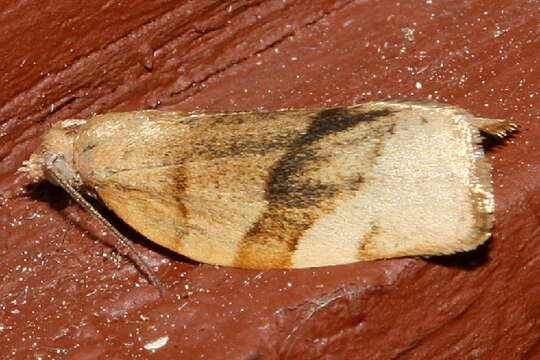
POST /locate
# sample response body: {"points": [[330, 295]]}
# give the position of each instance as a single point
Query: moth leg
{"points": [[55, 170], [494, 127]]}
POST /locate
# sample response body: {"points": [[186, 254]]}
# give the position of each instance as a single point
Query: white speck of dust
{"points": [[418, 85], [408, 33], [156, 344], [347, 23]]}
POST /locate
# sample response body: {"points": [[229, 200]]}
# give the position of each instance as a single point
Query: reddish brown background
{"points": [[64, 294]]}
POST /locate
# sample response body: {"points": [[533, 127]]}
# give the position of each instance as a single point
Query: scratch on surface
{"points": [[317, 306]]}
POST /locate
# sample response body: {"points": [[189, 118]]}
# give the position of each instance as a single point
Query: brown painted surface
{"points": [[64, 294]]}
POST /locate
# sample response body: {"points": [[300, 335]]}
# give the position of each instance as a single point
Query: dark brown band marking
{"points": [[367, 241], [287, 185], [294, 198]]}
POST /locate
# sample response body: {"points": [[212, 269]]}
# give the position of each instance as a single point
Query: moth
{"points": [[288, 188]]}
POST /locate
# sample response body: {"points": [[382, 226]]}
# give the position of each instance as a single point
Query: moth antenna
{"points": [[131, 252]]}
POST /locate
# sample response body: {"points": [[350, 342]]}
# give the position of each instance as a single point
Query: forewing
{"points": [[294, 188]]}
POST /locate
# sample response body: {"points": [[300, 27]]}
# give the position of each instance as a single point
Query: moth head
{"points": [[55, 154]]}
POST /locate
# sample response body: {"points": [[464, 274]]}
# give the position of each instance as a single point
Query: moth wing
{"points": [[192, 183], [296, 189], [200, 225], [428, 193]]}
